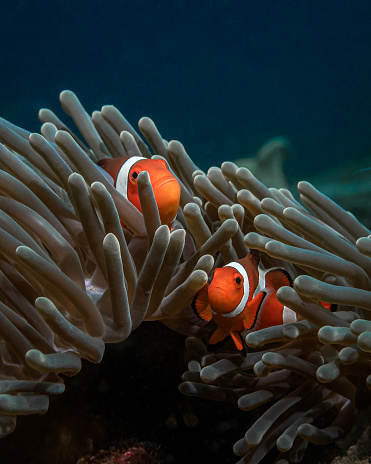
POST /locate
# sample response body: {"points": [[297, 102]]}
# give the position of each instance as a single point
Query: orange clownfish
{"points": [[123, 173], [240, 297]]}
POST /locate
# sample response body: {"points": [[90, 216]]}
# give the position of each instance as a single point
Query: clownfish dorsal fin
{"points": [[106, 175], [277, 278], [200, 304], [112, 166], [252, 309]]}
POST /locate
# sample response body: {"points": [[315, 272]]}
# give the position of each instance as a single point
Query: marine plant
{"points": [[73, 279]]}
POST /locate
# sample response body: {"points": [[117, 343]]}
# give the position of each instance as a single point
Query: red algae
{"points": [[130, 452]]}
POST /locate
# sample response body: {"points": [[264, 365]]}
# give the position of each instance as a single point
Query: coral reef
{"points": [[73, 279], [272, 154], [348, 185]]}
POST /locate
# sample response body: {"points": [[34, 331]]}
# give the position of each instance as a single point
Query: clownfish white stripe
{"points": [[123, 175], [246, 290], [261, 283]]}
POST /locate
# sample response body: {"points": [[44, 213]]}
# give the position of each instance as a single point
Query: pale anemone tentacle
{"points": [[120, 124]]}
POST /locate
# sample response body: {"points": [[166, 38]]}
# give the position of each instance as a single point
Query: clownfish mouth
{"points": [[167, 194], [220, 300], [159, 183], [217, 294]]}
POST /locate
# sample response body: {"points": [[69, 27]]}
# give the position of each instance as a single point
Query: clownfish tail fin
{"points": [[330, 306]]}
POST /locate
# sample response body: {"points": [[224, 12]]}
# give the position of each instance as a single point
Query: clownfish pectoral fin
{"points": [[200, 304], [252, 309], [277, 278]]}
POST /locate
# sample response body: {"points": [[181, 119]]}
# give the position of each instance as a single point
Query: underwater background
{"points": [[222, 77]]}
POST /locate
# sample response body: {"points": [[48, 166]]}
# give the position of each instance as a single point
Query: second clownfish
{"points": [[242, 297], [123, 173]]}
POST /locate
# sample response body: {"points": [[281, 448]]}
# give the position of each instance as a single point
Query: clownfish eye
{"points": [[238, 280], [134, 176]]}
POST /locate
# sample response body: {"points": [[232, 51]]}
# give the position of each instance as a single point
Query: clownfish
{"points": [[241, 296], [123, 172]]}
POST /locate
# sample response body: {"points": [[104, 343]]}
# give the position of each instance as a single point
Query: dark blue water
{"points": [[221, 76]]}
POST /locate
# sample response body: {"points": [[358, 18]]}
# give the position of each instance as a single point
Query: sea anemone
{"points": [[313, 374], [73, 279]]}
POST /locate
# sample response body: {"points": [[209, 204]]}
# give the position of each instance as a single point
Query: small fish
{"points": [[241, 296], [123, 173]]}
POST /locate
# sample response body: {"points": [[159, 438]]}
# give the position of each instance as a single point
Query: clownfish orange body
{"points": [[123, 173], [242, 297]]}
